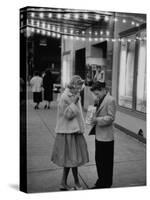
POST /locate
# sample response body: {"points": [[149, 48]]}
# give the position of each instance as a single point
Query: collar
{"points": [[68, 93]]}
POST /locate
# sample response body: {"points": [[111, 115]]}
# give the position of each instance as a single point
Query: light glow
{"points": [[76, 16], [85, 16], [97, 17], [41, 15]]}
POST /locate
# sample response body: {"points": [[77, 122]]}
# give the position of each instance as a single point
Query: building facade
{"points": [[122, 56]]}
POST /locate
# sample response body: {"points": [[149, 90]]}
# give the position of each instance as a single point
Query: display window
{"points": [[132, 72]]}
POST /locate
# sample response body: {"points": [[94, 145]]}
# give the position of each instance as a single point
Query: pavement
{"points": [[45, 176]]}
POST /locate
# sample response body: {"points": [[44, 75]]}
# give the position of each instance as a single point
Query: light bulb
{"points": [[38, 24], [58, 35], [101, 32], [41, 15], [48, 33], [43, 25], [50, 15], [32, 29], [115, 19], [59, 16], [85, 16], [43, 32], [48, 26], [97, 17], [67, 16], [107, 33], [53, 28], [76, 16], [58, 29], [32, 14], [54, 34], [106, 18], [65, 30], [38, 30]]}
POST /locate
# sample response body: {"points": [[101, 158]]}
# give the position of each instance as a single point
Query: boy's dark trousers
{"points": [[104, 157]]}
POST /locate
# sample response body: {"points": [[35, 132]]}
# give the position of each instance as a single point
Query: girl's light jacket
{"points": [[69, 115]]}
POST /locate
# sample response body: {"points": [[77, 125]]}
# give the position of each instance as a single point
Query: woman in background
{"points": [[48, 88], [36, 84]]}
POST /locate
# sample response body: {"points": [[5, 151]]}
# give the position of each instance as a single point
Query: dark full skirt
{"points": [[48, 94], [37, 97], [70, 150]]}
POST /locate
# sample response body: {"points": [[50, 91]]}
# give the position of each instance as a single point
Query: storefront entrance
{"points": [[80, 67]]}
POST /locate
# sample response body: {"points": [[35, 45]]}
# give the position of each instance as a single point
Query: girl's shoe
{"points": [[66, 188], [45, 106], [78, 187], [48, 107], [35, 107]]}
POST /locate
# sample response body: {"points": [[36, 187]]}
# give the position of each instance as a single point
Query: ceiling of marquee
{"points": [[73, 21]]}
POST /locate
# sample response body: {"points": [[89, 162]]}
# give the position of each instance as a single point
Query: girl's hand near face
{"points": [[76, 99], [94, 121]]}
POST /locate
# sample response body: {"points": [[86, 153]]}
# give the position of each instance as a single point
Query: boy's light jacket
{"points": [[105, 119]]}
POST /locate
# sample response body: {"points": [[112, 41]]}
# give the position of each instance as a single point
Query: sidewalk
{"points": [[44, 176]]}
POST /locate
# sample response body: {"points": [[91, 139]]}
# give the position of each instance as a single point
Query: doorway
{"points": [[80, 67]]}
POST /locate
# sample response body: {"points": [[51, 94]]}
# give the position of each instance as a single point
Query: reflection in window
{"points": [[126, 73], [141, 75]]}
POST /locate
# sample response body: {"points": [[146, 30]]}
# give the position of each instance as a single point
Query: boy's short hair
{"points": [[98, 86]]}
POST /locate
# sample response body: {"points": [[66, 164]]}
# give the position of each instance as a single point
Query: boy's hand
{"points": [[94, 120]]}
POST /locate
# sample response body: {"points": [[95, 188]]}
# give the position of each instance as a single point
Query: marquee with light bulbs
{"points": [[76, 24]]}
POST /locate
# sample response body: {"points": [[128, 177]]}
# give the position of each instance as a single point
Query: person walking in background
{"points": [[104, 138], [36, 84], [48, 88], [70, 148]]}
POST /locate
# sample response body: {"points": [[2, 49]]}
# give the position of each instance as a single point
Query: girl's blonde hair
{"points": [[75, 81]]}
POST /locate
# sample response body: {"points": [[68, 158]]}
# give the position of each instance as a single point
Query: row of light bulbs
{"points": [[68, 16], [43, 25], [31, 30], [84, 16]]}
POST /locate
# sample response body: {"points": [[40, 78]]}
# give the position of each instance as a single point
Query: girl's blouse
{"points": [[69, 115]]}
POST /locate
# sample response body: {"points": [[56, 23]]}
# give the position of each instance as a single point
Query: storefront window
{"points": [[132, 72], [127, 53], [141, 74]]}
